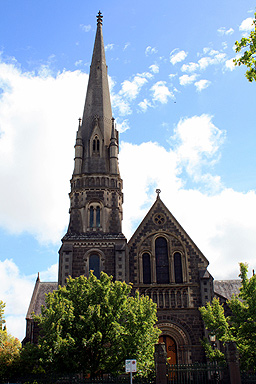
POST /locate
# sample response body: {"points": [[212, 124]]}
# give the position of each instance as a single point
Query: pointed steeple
{"points": [[97, 108]]}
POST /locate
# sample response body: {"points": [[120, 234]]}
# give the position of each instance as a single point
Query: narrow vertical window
{"points": [[98, 217], [96, 145], [94, 265], [146, 268], [178, 268], [162, 261], [91, 217]]}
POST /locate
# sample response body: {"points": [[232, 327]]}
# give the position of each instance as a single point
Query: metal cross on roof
{"points": [[99, 18], [158, 191]]}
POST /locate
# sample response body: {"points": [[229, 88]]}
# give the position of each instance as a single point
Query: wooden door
{"points": [[171, 348]]}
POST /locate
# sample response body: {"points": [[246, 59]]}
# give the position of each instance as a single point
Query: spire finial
{"points": [[158, 191], [79, 122], [99, 18]]}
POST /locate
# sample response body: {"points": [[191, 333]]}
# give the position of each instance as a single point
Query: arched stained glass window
{"points": [[162, 262], [146, 268], [178, 268], [94, 264]]}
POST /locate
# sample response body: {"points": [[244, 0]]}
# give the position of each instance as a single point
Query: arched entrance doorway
{"points": [[170, 347]]}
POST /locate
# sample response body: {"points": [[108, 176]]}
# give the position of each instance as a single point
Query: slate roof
{"points": [[226, 288], [38, 297]]}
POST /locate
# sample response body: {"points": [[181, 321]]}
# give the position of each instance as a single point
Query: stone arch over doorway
{"points": [[181, 341]]}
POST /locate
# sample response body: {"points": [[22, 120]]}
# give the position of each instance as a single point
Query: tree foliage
{"points": [[217, 324], [243, 319], [9, 347], [93, 325], [248, 46], [2, 320], [239, 327]]}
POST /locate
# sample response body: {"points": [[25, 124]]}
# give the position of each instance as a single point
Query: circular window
{"points": [[159, 219]]}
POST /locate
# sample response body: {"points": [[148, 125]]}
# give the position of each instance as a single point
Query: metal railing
{"points": [[198, 374]]}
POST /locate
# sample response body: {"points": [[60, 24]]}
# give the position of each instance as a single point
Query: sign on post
{"points": [[130, 366]]}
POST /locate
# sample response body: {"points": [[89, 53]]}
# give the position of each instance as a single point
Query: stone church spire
{"points": [[97, 116], [94, 240]]}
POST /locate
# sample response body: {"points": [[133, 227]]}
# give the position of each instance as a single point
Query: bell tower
{"points": [[94, 240]]}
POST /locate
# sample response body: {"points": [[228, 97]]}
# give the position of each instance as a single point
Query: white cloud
{"points": [[186, 79], [177, 56], [246, 26], [230, 64], [202, 84], [126, 46], [16, 291], [230, 31], [122, 125], [109, 47], [42, 125], [86, 28], [154, 68], [208, 217], [131, 89], [78, 63], [224, 31], [217, 58], [120, 104], [197, 142], [51, 274], [150, 51], [144, 105], [224, 45], [161, 92], [191, 67]]}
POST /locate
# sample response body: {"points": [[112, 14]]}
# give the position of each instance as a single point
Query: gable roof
{"points": [[159, 204], [226, 288], [38, 297]]}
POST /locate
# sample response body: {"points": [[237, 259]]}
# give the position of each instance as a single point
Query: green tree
{"points": [[248, 46], [243, 319], [239, 327], [92, 325], [217, 324], [9, 347], [2, 320]]}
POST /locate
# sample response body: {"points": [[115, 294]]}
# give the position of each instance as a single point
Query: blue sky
{"points": [[186, 117]]}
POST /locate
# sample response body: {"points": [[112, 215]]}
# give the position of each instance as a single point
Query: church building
{"points": [[160, 259]]}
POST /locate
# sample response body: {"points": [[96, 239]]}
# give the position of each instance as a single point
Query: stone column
{"points": [[233, 363], [161, 364]]}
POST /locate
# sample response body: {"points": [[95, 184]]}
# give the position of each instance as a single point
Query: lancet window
{"points": [[94, 264], [146, 268], [178, 268], [162, 261], [96, 145]]}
